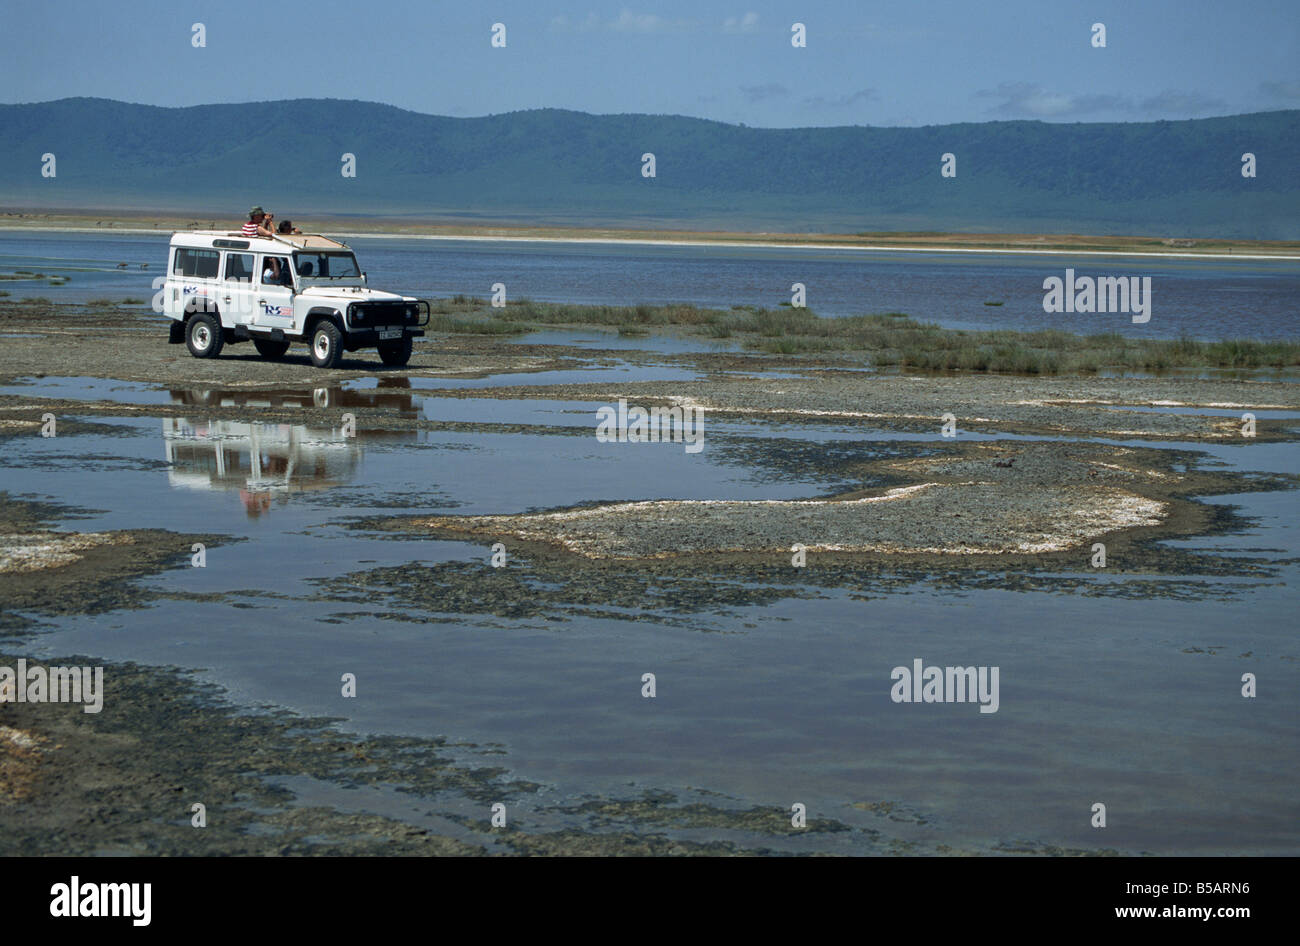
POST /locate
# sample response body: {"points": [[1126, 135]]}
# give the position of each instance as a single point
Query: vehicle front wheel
{"points": [[397, 352], [203, 336], [269, 348], [326, 345]]}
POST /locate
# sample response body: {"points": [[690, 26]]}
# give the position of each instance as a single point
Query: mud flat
{"points": [[1166, 408], [124, 780], [1028, 500], [1049, 520], [1003, 500], [44, 571], [128, 344], [1060, 463], [996, 504]]}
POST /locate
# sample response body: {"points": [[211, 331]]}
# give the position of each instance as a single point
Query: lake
{"points": [[1207, 299]]}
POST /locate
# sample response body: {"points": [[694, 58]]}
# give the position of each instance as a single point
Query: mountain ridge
{"points": [[552, 165]]}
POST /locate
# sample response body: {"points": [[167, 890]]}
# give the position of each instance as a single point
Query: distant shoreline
{"points": [[946, 243]]}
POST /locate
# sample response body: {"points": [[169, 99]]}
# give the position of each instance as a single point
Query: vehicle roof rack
{"points": [[309, 241], [299, 241]]}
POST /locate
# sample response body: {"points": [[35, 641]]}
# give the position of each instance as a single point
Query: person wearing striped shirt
{"points": [[259, 223]]}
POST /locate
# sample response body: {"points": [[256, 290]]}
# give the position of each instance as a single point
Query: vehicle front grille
{"points": [[371, 314]]}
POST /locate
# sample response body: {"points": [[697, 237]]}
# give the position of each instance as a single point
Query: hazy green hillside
{"points": [[1176, 178]]}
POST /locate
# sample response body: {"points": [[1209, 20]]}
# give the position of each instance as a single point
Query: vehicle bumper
{"points": [[363, 338]]}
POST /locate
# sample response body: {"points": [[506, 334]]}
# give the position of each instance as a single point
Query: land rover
{"points": [[223, 288]]}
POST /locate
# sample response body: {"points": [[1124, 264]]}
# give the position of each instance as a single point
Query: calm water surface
{"points": [[1202, 298], [1102, 697]]}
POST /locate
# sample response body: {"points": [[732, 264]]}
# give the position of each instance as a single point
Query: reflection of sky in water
{"points": [[1099, 702]]}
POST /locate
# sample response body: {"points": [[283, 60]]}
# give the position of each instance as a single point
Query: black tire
{"points": [[203, 335], [326, 345], [397, 352], [269, 348]]}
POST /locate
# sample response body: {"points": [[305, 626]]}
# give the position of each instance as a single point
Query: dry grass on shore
{"points": [[890, 339]]}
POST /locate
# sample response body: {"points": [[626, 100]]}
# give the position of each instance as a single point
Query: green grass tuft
{"points": [[885, 339]]}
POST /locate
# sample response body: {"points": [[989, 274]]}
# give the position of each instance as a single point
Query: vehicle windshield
{"points": [[331, 266]]}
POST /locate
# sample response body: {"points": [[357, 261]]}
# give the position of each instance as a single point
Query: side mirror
{"points": [[363, 276]]}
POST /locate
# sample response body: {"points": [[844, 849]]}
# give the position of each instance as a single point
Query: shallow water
{"points": [[1209, 299], [1102, 697]]}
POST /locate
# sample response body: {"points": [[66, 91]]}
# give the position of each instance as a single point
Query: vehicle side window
{"points": [[275, 271], [239, 267], [327, 265], [200, 264]]}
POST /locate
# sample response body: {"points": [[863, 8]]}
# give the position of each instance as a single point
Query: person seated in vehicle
{"points": [[287, 227], [275, 272], [259, 223]]}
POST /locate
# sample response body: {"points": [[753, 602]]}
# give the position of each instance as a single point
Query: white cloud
{"points": [[1030, 100], [841, 101], [741, 24], [759, 93], [1284, 91], [627, 21]]}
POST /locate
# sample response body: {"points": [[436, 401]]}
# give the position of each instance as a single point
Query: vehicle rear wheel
{"points": [[203, 336], [326, 345], [397, 352], [269, 348]]}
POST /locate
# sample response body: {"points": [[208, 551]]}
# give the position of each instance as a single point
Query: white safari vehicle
{"points": [[224, 288]]}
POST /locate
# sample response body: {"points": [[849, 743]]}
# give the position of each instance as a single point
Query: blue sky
{"points": [[902, 63]]}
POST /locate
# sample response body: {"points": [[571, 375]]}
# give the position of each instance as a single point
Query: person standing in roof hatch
{"points": [[259, 223]]}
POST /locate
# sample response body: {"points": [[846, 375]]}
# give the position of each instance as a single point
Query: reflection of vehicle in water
{"points": [[392, 394], [266, 461], [262, 461]]}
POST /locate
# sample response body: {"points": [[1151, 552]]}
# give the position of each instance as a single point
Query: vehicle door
{"points": [[238, 290], [197, 272], [275, 288]]}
